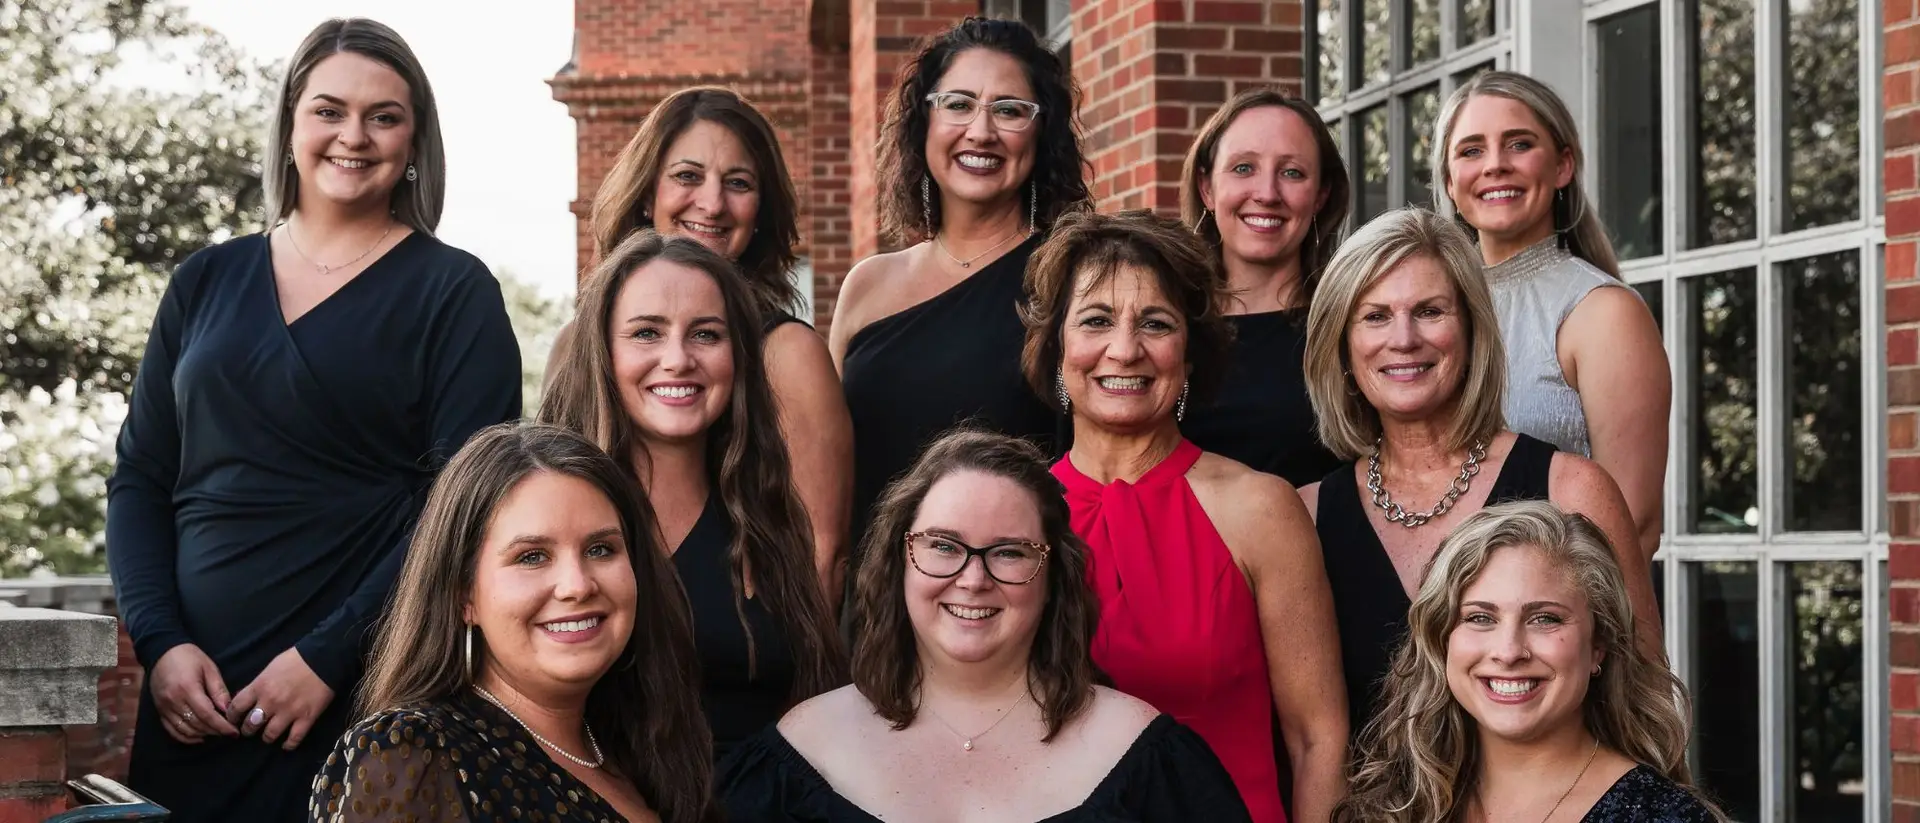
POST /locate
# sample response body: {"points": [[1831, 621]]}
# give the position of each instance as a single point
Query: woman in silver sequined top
{"points": [[1585, 367]]}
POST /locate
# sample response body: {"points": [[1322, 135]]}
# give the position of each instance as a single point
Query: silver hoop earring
{"points": [[411, 174], [469, 653], [926, 205], [1060, 388], [1180, 408]]}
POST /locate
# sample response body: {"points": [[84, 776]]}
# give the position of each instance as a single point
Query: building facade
{"points": [[1755, 161]]}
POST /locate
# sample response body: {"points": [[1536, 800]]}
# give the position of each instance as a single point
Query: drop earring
{"points": [[926, 205], [1180, 408], [1033, 207], [289, 154], [1060, 389], [411, 174], [1202, 219], [469, 653]]}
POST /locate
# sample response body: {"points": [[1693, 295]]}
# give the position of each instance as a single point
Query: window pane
{"points": [[1821, 299], [1461, 78], [1423, 31], [1660, 588], [1724, 636], [1629, 130], [1375, 165], [1375, 41], [1422, 106], [1332, 50], [1723, 468], [1655, 293], [1825, 605], [1723, 131], [1823, 123], [1474, 22]]}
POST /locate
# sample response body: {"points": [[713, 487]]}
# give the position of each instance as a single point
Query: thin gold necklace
{"points": [[1488, 813], [326, 269], [966, 743], [968, 263]]}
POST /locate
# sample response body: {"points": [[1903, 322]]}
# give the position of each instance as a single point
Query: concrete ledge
{"points": [[50, 664], [92, 594]]}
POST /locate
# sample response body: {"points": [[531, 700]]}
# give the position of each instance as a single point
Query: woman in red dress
{"points": [[1214, 605]]}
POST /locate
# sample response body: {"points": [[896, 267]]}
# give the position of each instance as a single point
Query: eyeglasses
{"points": [[1014, 563], [956, 109]]}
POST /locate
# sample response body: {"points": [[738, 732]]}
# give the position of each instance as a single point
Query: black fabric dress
{"points": [[268, 479], [911, 376], [1261, 415], [1643, 795], [1369, 604], [438, 763], [1168, 774], [739, 701]]}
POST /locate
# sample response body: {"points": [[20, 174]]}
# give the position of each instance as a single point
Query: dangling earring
{"points": [[289, 154], [1180, 408], [1353, 386], [411, 174], [1202, 219], [469, 653], [1033, 207], [1560, 205], [1060, 388], [926, 206]]}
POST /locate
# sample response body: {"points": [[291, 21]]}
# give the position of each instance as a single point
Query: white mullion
{"points": [[1773, 682], [1871, 76], [1717, 259], [1873, 401], [1817, 240], [1677, 48], [1876, 672], [1770, 392], [1800, 550], [1449, 28], [1598, 9], [1683, 653], [1685, 334], [1769, 86]]}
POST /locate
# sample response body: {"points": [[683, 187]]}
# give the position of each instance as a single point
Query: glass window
{"points": [[1423, 32], [1376, 163], [1821, 300], [1376, 42], [1723, 123], [1655, 293], [1822, 149], [1461, 78], [1627, 147], [1724, 635], [1825, 606], [1422, 106], [1723, 469], [1474, 21], [1332, 49]]}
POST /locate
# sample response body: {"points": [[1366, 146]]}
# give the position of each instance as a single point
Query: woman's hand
{"points": [[189, 694], [284, 700]]}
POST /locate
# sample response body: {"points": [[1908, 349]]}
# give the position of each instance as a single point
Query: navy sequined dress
{"points": [[1644, 796]]}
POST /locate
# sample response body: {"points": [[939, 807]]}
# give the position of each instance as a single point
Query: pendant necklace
{"points": [[326, 269], [968, 263], [967, 740]]}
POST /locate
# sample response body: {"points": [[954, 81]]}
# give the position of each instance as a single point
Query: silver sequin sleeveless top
{"points": [[1533, 292]]}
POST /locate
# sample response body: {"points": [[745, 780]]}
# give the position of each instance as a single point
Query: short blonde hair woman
{"points": [[1406, 371], [1519, 688]]}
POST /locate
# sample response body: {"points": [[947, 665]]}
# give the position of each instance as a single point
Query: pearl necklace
{"points": [[598, 758]]}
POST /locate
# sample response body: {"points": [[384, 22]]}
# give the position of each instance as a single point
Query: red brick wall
{"points": [[102, 747], [1903, 395], [829, 195], [1153, 71], [32, 768]]}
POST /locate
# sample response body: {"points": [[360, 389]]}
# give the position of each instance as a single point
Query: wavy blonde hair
{"points": [[1348, 422], [1420, 754]]}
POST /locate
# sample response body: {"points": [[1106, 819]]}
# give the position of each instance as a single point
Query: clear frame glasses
{"points": [[956, 109], [1014, 562]]}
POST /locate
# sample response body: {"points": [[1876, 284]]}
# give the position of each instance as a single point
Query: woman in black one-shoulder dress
{"points": [[666, 372], [978, 157]]}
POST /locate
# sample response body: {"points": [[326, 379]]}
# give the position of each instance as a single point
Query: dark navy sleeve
{"points": [[141, 539], [473, 373]]}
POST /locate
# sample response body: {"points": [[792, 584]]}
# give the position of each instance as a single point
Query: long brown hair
{"points": [[886, 667], [416, 203], [1335, 186], [624, 202], [647, 711], [746, 457], [1421, 752]]}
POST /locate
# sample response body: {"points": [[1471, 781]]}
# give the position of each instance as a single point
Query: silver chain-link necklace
{"points": [[326, 269], [598, 758], [1413, 520]]}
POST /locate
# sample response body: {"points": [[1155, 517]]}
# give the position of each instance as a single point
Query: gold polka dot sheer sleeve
{"points": [[395, 767]]}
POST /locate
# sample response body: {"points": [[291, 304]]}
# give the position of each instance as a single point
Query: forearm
{"points": [[1319, 773], [140, 557]]}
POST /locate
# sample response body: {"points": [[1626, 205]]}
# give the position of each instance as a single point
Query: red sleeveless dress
{"points": [[1178, 626]]}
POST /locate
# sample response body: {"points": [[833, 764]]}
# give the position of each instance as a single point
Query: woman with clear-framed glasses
{"points": [[978, 156], [974, 692]]}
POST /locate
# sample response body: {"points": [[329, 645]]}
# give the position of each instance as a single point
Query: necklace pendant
{"points": [[967, 745], [967, 265], [325, 270]]}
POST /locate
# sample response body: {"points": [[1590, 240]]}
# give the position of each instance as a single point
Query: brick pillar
{"points": [[885, 34], [1902, 134], [50, 663], [1153, 71]]}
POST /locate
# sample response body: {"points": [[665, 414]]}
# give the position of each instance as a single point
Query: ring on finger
{"points": [[257, 717], [187, 716]]}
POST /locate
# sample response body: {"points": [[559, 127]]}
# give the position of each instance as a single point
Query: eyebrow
{"points": [[975, 95], [655, 318], [748, 170], [1529, 606], [384, 104], [954, 535], [544, 540], [1478, 138], [1160, 310]]}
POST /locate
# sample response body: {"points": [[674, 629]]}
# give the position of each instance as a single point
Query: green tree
{"points": [[536, 319], [105, 186]]}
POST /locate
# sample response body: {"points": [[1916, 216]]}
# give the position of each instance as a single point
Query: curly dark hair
{"points": [[1099, 245], [1060, 168]]}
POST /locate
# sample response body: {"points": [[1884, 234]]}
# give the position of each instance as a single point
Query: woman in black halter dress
{"points": [[1406, 372], [977, 159]]}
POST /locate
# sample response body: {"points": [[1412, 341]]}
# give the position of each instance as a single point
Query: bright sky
{"points": [[510, 145]]}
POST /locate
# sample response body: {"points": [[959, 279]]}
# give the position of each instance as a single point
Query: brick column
{"points": [[1152, 72], [50, 663], [885, 34], [1902, 133]]}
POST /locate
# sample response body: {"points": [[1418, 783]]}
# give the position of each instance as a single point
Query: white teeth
{"points": [[969, 614], [1260, 222], [1510, 688], [675, 391], [1400, 371], [347, 164], [1500, 194], [1123, 383], [975, 161], [571, 625], [702, 228]]}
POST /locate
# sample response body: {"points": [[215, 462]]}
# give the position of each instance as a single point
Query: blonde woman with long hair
{"points": [[1520, 693]]}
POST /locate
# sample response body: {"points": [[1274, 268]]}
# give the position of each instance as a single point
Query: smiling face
{"points": [[971, 617], [981, 162], [672, 351], [352, 133], [1503, 170], [1522, 655], [1407, 341], [709, 189], [1265, 186], [553, 588], [1123, 350]]}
